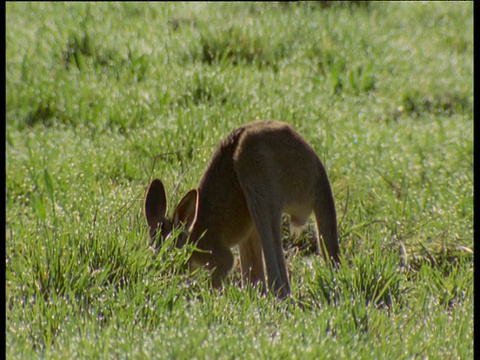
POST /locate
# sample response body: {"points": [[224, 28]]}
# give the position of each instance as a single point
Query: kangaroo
{"points": [[261, 170]]}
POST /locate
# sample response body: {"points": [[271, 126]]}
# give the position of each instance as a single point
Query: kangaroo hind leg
{"points": [[251, 260], [266, 215]]}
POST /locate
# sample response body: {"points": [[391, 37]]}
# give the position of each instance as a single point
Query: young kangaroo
{"points": [[261, 170]]}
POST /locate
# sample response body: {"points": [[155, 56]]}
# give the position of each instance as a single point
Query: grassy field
{"points": [[102, 98]]}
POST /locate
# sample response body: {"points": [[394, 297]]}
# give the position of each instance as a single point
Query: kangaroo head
{"points": [[160, 226]]}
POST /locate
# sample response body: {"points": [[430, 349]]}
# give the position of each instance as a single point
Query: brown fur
{"points": [[261, 170]]}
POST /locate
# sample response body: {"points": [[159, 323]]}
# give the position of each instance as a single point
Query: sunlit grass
{"points": [[101, 98]]}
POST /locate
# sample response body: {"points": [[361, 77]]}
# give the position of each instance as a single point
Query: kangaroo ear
{"points": [[186, 210], [155, 206]]}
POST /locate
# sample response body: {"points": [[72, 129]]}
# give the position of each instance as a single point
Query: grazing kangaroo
{"points": [[261, 170]]}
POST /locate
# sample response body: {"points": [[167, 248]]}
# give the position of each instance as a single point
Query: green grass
{"points": [[101, 98]]}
